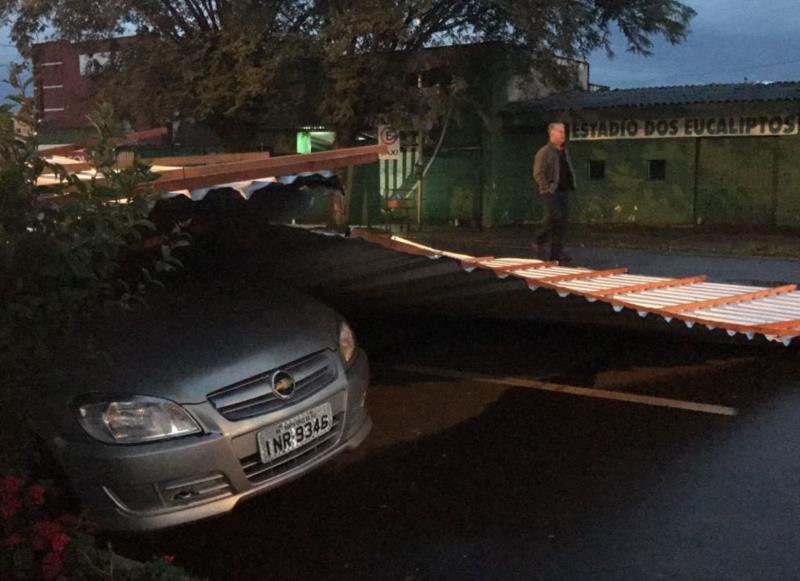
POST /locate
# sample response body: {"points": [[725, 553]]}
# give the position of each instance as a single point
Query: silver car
{"points": [[213, 395]]}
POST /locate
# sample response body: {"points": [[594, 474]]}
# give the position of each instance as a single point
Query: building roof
{"points": [[653, 96]]}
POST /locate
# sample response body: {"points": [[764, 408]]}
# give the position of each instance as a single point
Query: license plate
{"points": [[289, 435]]}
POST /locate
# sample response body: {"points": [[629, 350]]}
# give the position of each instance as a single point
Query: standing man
{"points": [[553, 174]]}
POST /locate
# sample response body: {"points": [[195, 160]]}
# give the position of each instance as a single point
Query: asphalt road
{"points": [[486, 477]]}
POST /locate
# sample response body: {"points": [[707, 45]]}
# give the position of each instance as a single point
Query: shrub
{"points": [[60, 249], [40, 540]]}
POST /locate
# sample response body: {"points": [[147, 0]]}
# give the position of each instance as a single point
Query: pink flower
{"points": [[168, 559], [59, 542], [46, 529], [10, 502], [51, 566], [35, 494]]}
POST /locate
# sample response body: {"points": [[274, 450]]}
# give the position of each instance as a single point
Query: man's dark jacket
{"points": [[546, 172]]}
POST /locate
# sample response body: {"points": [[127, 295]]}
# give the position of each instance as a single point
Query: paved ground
{"points": [[471, 479]]}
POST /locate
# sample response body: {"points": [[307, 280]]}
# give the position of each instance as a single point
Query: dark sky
{"points": [[729, 40]]}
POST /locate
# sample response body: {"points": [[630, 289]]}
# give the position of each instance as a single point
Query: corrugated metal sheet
{"points": [[652, 96], [773, 313]]}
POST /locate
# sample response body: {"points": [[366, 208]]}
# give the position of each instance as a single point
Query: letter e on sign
{"points": [[390, 137]]}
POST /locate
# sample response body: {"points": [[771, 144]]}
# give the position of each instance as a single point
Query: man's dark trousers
{"points": [[555, 225]]}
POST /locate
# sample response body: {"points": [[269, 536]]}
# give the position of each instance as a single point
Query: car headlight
{"points": [[347, 344], [135, 419]]}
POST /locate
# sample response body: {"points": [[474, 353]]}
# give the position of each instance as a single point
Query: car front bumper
{"points": [[163, 484]]}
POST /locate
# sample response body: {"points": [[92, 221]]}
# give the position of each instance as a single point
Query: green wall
{"points": [[509, 193], [365, 185], [626, 195], [711, 180], [788, 185], [483, 174], [750, 181], [452, 187]]}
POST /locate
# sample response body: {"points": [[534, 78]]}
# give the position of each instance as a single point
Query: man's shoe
{"points": [[565, 258]]}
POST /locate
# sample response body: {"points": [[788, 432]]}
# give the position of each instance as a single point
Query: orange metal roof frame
{"points": [[191, 178], [207, 171], [689, 312]]}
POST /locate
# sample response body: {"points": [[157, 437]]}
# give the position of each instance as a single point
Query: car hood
{"points": [[198, 340]]}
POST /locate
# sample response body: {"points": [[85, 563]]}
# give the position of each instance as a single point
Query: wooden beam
{"points": [[209, 159], [647, 286], [128, 138], [529, 265], [60, 150], [387, 241], [474, 261], [69, 164], [781, 325], [192, 178], [137, 136], [576, 276], [697, 305]]}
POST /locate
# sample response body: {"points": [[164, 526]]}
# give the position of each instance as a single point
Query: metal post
{"points": [[420, 171], [419, 204], [695, 209]]}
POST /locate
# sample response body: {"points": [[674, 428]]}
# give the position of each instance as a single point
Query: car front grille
{"points": [[256, 471], [254, 396]]}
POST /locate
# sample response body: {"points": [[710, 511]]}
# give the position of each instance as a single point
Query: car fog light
{"points": [[135, 420], [347, 344]]}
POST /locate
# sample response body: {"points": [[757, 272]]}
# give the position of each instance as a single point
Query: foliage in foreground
{"points": [[39, 539], [63, 246], [61, 250]]}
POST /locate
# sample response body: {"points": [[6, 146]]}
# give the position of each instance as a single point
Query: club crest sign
{"points": [[390, 137]]}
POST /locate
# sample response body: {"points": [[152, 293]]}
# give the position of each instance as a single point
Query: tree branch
{"points": [[198, 15], [180, 21]]}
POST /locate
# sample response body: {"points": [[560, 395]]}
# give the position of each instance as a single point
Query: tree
{"points": [[239, 63], [536, 32]]}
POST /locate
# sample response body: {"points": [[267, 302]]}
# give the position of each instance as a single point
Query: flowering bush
{"points": [[34, 541], [38, 540]]}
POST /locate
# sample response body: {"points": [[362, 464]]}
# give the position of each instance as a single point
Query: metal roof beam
{"points": [[648, 286], [731, 299]]}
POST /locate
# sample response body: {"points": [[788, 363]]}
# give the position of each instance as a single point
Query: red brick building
{"points": [[63, 91]]}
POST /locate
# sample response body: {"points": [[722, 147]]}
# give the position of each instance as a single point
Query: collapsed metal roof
{"points": [[750, 311], [193, 176]]}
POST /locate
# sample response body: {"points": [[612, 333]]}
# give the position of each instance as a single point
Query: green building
{"points": [[702, 154]]}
